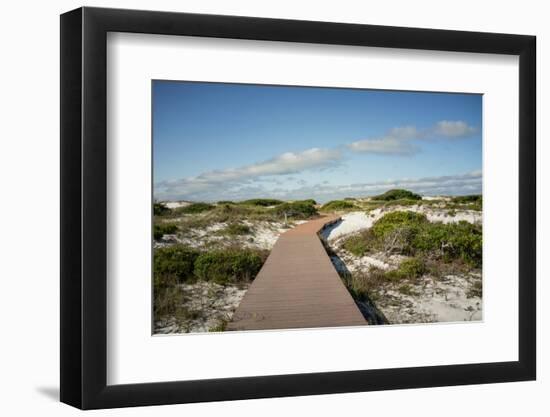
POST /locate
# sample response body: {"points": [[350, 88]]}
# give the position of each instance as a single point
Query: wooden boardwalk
{"points": [[297, 287]]}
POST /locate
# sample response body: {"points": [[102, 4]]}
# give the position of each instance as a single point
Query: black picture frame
{"points": [[84, 207]]}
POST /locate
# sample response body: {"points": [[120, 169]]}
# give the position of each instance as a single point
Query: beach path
{"points": [[297, 286]]}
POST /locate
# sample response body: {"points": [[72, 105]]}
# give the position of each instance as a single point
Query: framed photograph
{"points": [[257, 208]]}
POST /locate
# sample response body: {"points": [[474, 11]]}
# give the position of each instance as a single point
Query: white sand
{"points": [[436, 197], [198, 237], [264, 235], [447, 216], [176, 204], [435, 301], [350, 223], [366, 262]]}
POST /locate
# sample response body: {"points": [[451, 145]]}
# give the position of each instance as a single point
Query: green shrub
{"points": [[401, 202], [432, 238], [410, 233], [460, 240], [297, 209], [335, 205], [233, 210], [408, 269], [397, 194], [262, 202], [173, 264], [229, 266], [413, 267], [308, 201], [161, 229], [473, 202], [195, 208], [236, 229], [356, 244], [465, 199], [221, 202], [397, 220], [160, 209], [465, 241]]}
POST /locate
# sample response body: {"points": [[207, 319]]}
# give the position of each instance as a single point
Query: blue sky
{"points": [[217, 141]]}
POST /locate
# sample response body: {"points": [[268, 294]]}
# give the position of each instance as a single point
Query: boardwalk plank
{"points": [[297, 287]]}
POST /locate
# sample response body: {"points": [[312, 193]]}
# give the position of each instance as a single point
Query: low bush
{"points": [[408, 269], [308, 201], [262, 202], [410, 233], [160, 209], [398, 220], [465, 199], [229, 266], [397, 194], [233, 213], [401, 202], [195, 208], [460, 240], [336, 205], [412, 267], [161, 229], [432, 238], [297, 210], [232, 210], [464, 241], [236, 229], [225, 202], [172, 265], [359, 244], [177, 264], [472, 202]]}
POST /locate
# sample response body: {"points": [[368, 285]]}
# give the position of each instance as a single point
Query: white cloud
{"points": [[453, 129], [212, 182], [387, 145], [398, 139], [404, 132]]}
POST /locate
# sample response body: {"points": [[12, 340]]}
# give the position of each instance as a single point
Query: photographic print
{"points": [[289, 207]]}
